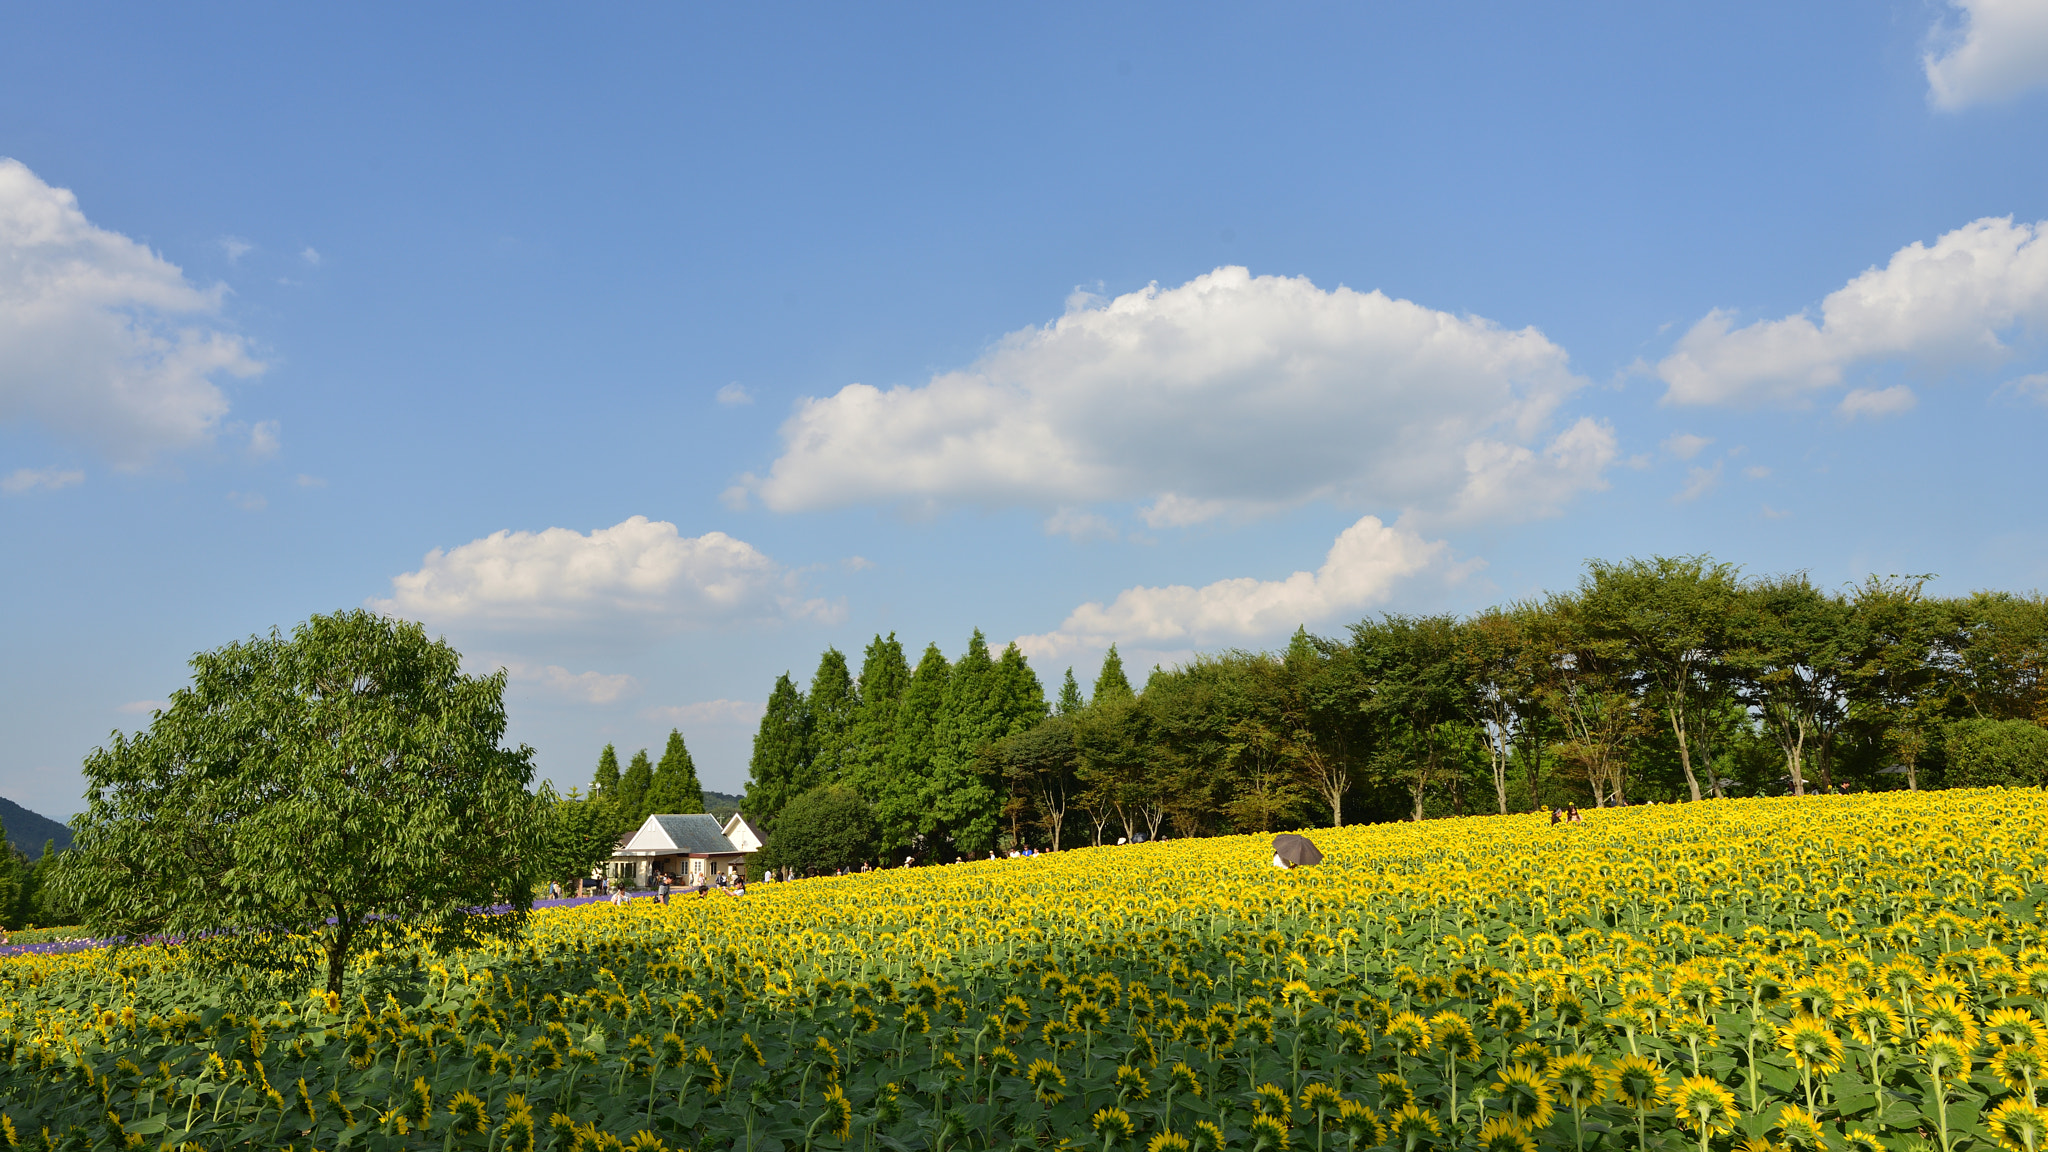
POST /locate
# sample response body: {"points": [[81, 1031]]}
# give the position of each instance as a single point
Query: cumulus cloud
{"points": [[1940, 305], [48, 479], [582, 687], [1230, 394], [637, 571], [740, 712], [1367, 562], [1877, 402], [734, 395], [1699, 482], [1685, 445], [101, 339], [1080, 526], [1999, 51]]}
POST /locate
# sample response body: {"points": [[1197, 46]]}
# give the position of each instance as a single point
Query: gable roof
{"points": [[740, 823], [696, 832]]}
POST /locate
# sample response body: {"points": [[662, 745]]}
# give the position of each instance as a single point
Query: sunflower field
{"points": [[1828, 974]]}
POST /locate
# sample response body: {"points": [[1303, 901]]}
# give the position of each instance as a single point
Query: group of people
{"points": [[1569, 814]]}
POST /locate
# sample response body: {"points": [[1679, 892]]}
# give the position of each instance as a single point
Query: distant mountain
{"points": [[721, 804], [29, 831]]}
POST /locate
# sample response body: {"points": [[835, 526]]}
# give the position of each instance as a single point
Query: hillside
{"points": [[721, 804], [29, 831]]}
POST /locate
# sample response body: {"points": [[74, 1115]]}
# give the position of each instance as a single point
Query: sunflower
{"points": [[1112, 1126], [1811, 1044], [1578, 1078], [1395, 1092], [1169, 1142], [1526, 1094], [1637, 1082], [1268, 1132], [2015, 1027], [1412, 1127], [1046, 1081], [2018, 1068], [1869, 1020], [1361, 1124], [1801, 1128], [1704, 1106], [1501, 1134], [2019, 1126]]}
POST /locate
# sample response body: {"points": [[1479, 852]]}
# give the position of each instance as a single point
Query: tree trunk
{"points": [[1677, 715], [337, 948]]}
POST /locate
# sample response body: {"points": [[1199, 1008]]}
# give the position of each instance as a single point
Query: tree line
{"points": [[1666, 679]]}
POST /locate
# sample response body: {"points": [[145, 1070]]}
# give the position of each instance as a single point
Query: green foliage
{"points": [[633, 786], [1069, 700], [1111, 681], [674, 788], [349, 771], [1997, 753], [606, 780], [828, 827], [580, 834], [833, 705], [779, 769]]}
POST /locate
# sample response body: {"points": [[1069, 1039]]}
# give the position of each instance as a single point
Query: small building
{"points": [[744, 835], [689, 848]]}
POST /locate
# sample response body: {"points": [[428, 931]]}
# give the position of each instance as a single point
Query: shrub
{"points": [[827, 827], [1995, 753]]}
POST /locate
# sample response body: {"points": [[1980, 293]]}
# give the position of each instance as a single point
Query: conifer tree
{"points": [[1070, 700], [834, 707], [632, 795], [777, 772], [899, 796], [606, 781], [957, 802], [675, 788], [1110, 683], [1020, 698], [864, 752]]}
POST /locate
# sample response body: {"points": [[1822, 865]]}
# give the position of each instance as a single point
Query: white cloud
{"points": [[236, 248], [310, 256], [305, 481], [1877, 402], [1228, 394], [2033, 386], [1940, 305], [583, 687], [735, 394], [2000, 51], [1368, 560], [263, 442], [137, 707], [1080, 526], [1699, 482], [49, 479], [639, 571], [1757, 472], [1771, 513], [742, 712], [101, 339], [1685, 445]]}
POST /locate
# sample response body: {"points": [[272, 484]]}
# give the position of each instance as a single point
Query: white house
{"points": [[690, 849], [744, 835]]}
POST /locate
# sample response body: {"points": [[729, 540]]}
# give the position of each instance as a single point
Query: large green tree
{"points": [[779, 770], [1111, 681], [633, 786], [827, 827], [834, 705], [1668, 618], [346, 783], [675, 788], [605, 780], [900, 794]]}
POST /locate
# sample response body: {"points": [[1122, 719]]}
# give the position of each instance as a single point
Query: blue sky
{"points": [[647, 351]]}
